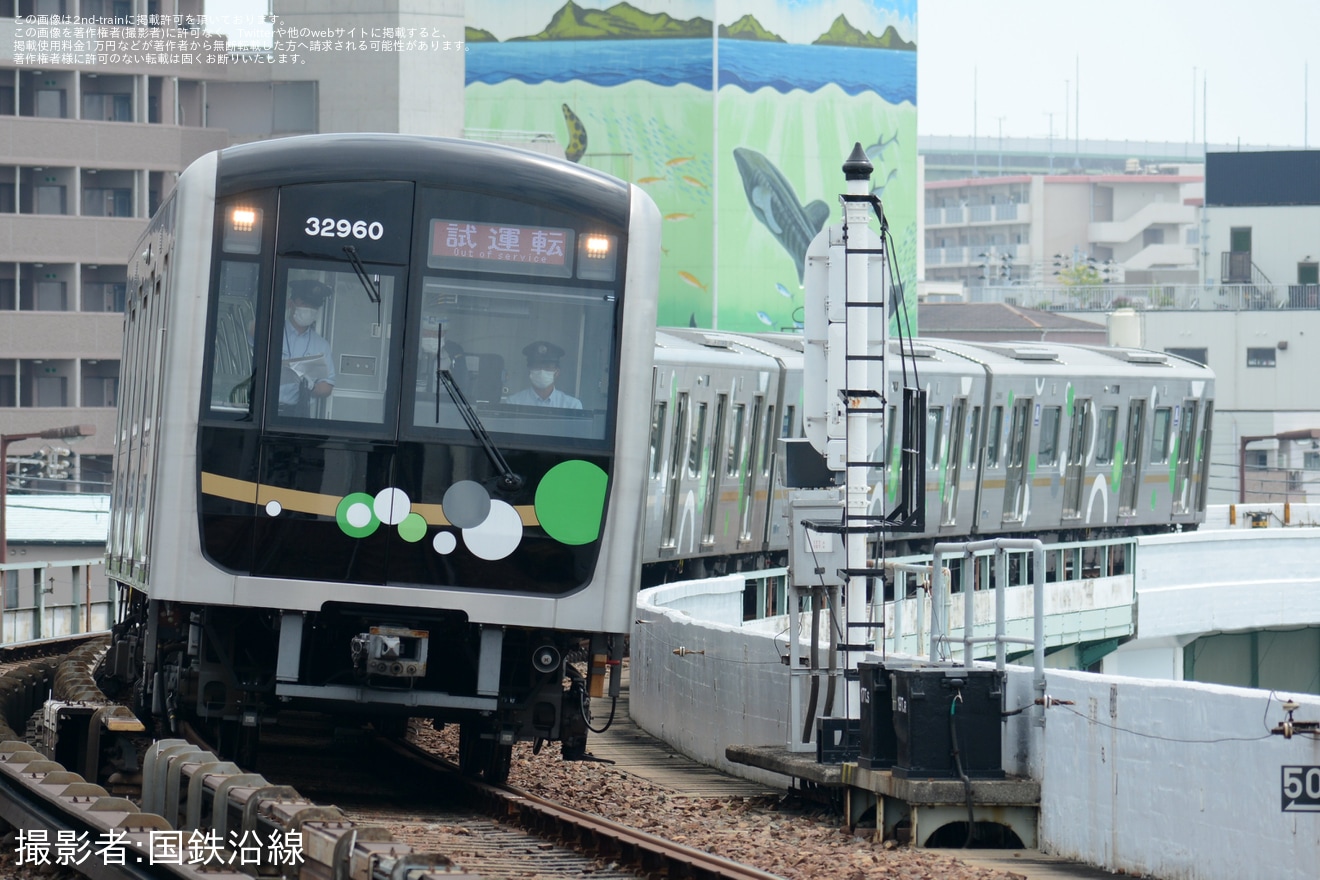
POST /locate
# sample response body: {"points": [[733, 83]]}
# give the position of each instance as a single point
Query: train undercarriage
{"points": [[233, 671]]}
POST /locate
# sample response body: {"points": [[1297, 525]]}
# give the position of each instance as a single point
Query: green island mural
{"points": [[736, 122]]}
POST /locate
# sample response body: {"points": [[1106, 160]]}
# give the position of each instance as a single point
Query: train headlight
{"points": [[242, 230], [597, 256]]}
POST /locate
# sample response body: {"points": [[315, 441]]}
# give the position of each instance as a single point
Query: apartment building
{"points": [[1138, 227], [96, 123]]}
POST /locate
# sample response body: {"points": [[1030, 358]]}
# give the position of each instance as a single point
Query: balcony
{"points": [[956, 215], [1117, 232]]}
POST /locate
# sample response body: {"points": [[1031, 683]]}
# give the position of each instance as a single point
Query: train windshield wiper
{"points": [[510, 481], [372, 287]]}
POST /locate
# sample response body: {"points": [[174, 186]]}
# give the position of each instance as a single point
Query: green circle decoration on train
{"points": [[355, 515], [570, 501]]}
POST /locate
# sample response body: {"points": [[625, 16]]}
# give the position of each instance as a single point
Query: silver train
{"points": [[334, 488], [1058, 441]]}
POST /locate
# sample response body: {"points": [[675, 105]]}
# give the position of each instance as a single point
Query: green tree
{"points": [[1081, 275]]}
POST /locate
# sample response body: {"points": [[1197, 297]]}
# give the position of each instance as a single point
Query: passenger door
{"points": [[1074, 476], [1019, 440], [952, 464], [1132, 446]]}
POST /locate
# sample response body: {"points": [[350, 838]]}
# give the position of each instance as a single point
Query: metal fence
{"points": [[1174, 297], [45, 600]]}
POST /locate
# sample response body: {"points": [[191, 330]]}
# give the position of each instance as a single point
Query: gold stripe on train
{"points": [[315, 503]]}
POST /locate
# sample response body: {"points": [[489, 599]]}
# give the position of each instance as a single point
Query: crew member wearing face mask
{"points": [[309, 365], [542, 373]]}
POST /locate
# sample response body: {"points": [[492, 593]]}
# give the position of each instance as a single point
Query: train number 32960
{"points": [[330, 227]]}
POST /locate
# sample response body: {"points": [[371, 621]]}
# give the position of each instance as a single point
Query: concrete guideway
{"points": [[1121, 763]]}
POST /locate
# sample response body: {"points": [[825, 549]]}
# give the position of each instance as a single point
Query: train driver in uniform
{"points": [[308, 372], [542, 372]]}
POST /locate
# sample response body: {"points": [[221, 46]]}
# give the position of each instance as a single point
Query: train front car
{"points": [[401, 452]]}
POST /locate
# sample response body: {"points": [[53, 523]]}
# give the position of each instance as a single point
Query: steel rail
{"points": [[649, 853]]}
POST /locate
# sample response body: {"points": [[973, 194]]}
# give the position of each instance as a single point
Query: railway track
{"points": [[198, 816]]}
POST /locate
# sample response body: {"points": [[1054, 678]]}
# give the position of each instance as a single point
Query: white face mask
{"points": [[541, 379], [304, 316]]}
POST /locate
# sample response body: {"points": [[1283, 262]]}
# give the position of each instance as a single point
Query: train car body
{"points": [[720, 404], [334, 488], [1054, 441]]}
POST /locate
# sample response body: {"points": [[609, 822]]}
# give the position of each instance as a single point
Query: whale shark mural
{"points": [[774, 203]]}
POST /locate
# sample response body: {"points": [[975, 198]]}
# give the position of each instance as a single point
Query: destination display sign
{"points": [[491, 247]]}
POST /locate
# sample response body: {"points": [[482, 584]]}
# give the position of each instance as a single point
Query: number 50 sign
{"points": [[1301, 789]]}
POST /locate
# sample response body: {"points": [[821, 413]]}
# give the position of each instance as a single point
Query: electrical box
{"points": [[877, 748], [836, 740], [926, 713], [815, 555]]}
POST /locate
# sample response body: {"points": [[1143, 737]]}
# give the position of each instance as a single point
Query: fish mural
{"points": [[876, 155], [691, 279], [661, 94], [577, 136], [774, 202]]}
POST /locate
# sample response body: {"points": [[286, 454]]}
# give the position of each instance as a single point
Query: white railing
{"points": [[45, 600], [1177, 297]]}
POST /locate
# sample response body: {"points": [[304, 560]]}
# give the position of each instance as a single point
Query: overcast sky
{"points": [[1136, 60], [1146, 66]]}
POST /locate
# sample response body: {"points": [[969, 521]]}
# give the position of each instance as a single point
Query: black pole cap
{"points": [[858, 167]]}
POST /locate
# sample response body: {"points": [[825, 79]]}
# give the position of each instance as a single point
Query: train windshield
{"points": [[530, 360]]}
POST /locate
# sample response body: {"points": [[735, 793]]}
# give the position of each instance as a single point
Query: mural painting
{"points": [[735, 122]]}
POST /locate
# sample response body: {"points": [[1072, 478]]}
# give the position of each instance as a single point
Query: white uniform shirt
{"points": [[529, 397]]}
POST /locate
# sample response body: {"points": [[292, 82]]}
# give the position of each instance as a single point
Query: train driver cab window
{"points": [[235, 323], [330, 338], [237, 306]]}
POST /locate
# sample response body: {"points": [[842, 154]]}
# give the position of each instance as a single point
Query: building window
{"points": [[1200, 355], [1260, 357], [1311, 461]]}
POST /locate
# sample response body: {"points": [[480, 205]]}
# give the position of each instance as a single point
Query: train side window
{"points": [[733, 455], [767, 441], [235, 323], [677, 435], [754, 441], [1048, 451], [992, 436], [973, 434], [696, 440], [657, 437], [1161, 432], [934, 433], [712, 468], [1106, 431], [786, 430]]}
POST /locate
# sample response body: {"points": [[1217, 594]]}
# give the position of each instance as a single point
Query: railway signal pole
{"points": [[844, 378]]}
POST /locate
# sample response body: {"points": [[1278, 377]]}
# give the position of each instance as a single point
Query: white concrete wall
{"points": [[1168, 779], [1193, 584], [1280, 237], [1158, 777]]}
